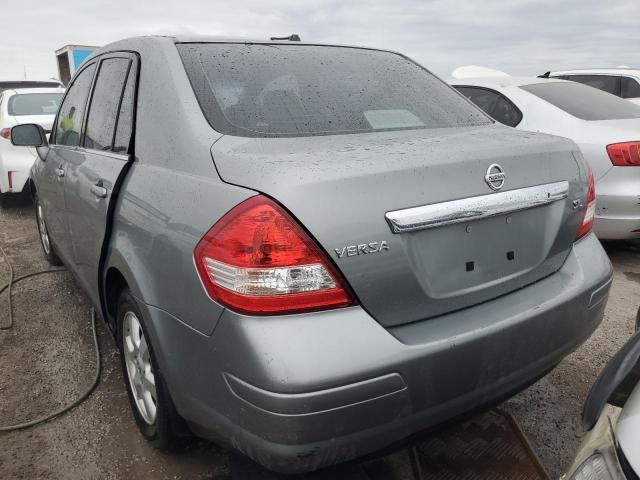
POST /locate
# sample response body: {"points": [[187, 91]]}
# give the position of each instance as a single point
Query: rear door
{"points": [[50, 173], [93, 175]]}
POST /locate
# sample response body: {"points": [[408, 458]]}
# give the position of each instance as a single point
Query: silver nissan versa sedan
{"points": [[310, 252]]}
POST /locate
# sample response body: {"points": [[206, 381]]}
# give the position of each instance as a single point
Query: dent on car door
{"points": [[102, 158], [50, 174]]}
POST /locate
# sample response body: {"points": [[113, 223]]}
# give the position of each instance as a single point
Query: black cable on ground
{"points": [[96, 379], [9, 286]]}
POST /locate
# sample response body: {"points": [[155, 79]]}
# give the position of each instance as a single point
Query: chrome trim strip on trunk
{"points": [[475, 208]]}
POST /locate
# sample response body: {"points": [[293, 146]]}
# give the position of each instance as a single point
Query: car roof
{"points": [[196, 38], [615, 71], [501, 82], [224, 39]]}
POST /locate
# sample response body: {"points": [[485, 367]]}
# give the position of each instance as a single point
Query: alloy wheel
{"points": [[139, 369], [44, 234]]}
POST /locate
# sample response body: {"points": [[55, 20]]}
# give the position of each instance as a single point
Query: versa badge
{"points": [[362, 249]]}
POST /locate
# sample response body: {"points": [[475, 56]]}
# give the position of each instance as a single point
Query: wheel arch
{"points": [[114, 285], [117, 276], [33, 191]]}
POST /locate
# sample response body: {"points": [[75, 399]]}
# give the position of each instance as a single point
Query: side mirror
{"points": [[615, 383], [28, 135]]}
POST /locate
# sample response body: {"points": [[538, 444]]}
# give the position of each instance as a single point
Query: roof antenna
{"points": [[544, 75], [291, 38]]}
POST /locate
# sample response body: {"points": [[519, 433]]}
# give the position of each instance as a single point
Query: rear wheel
{"points": [[151, 404], [45, 240]]}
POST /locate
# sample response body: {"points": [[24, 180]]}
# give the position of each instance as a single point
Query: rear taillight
{"points": [[5, 133], [589, 207], [625, 154], [258, 260]]}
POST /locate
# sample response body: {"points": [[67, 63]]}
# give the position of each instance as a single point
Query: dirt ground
{"points": [[47, 358]]}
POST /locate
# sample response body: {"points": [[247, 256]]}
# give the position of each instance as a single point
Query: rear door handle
{"points": [[98, 190], [59, 172]]}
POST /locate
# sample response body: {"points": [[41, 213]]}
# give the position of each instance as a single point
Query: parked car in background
{"points": [[611, 448], [13, 84], [320, 251], [621, 82], [28, 105], [606, 128]]}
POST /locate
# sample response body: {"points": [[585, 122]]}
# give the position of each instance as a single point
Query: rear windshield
{"points": [[584, 102], [298, 90], [27, 84], [34, 103]]}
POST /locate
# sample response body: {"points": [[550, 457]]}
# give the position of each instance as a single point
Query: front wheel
{"points": [[151, 404], [45, 240]]}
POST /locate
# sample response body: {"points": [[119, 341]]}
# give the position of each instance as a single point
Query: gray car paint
{"points": [[450, 364], [340, 191], [173, 194]]}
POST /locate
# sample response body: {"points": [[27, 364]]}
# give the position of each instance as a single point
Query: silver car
{"points": [[310, 252]]}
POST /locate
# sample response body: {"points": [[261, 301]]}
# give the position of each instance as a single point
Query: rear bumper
{"points": [[618, 204], [610, 227], [618, 217], [19, 166], [302, 392]]}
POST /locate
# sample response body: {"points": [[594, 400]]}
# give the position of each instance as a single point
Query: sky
{"points": [[520, 37]]}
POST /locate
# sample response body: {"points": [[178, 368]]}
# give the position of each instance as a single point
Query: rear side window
{"points": [[71, 114], [299, 90], [630, 87], [105, 103], [494, 104], [125, 118], [34, 104], [606, 83], [583, 102]]}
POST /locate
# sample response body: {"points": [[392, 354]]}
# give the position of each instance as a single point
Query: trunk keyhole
{"points": [[511, 255], [470, 266]]}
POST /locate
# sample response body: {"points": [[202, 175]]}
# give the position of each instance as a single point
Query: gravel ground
{"points": [[47, 358]]}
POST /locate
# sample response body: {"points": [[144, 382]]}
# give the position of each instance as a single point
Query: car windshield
{"points": [[34, 103], [298, 90], [11, 85], [584, 102]]}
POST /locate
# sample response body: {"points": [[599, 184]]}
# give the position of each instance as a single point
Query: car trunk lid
{"points": [[345, 189], [613, 131]]}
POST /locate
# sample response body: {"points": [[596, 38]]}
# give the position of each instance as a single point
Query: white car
{"points": [[611, 447], [24, 105], [605, 127], [622, 82]]}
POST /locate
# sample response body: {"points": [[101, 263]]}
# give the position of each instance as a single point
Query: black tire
{"points": [[161, 431], [49, 250]]}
